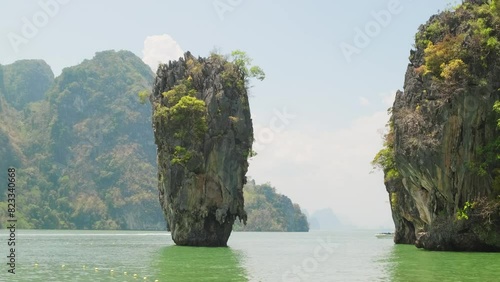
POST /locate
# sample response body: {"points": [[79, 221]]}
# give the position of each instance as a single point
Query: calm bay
{"points": [[50, 255]]}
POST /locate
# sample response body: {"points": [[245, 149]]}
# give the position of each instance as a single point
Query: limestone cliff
{"points": [[204, 134], [441, 154]]}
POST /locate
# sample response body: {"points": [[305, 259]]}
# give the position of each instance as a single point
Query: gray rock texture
{"points": [[201, 195], [441, 129]]}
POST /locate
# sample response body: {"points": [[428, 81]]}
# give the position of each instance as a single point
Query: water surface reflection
{"points": [[408, 263], [176, 263]]}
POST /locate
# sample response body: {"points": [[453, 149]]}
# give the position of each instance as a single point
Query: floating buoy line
{"points": [[110, 272]]}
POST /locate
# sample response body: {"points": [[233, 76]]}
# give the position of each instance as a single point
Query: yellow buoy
{"points": [[125, 273], [96, 269], [36, 264]]}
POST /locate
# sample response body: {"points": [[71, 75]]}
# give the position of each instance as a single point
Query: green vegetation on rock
{"points": [[385, 157], [244, 64], [459, 44], [238, 69], [188, 116]]}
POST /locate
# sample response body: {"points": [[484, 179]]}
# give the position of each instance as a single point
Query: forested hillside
{"points": [[82, 144], [270, 211]]}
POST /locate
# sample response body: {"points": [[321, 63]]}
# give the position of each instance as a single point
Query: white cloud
{"points": [[388, 99], [363, 101], [330, 169], [160, 49]]}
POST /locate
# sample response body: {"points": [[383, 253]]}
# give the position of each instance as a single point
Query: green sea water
{"points": [[313, 256]]}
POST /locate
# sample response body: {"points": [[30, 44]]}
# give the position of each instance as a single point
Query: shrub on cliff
{"points": [[385, 157], [239, 69]]}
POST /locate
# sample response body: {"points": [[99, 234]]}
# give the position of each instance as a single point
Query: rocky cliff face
{"points": [[441, 154], [204, 134]]}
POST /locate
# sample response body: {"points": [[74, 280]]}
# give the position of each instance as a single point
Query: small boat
{"points": [[385, 235]]}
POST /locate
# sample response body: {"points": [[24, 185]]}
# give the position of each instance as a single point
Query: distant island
{"points": [[325, 219]]}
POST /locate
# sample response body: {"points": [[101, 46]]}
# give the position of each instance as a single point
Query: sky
{"points": [[332, 69]]}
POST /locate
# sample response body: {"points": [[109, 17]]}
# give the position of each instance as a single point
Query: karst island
{"points": [[442, 151], [203, 130]]}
